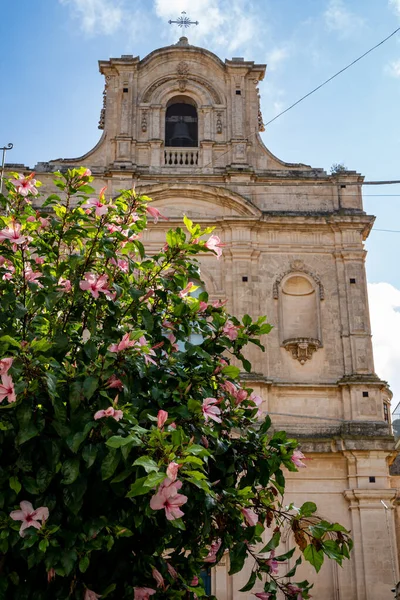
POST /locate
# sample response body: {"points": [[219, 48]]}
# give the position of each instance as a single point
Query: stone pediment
{"points": [[200, 202]]}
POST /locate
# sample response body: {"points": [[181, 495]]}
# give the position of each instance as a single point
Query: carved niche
{"points": [[299, 293]]}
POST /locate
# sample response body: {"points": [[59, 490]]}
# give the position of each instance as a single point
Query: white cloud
{"points": [[276, 56], [393, 68], [384, 303], [96, 16], [340, 19], [229, 24], [396, 6]]}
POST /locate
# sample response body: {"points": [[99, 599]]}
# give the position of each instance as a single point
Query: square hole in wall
{"points": [[245, 278], [365, 394], [343, 186], [125, 90], [238, 92], [372, 479], [352, 280]]}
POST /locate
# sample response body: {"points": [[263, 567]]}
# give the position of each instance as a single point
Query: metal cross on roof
{"points": [[183, 21]]}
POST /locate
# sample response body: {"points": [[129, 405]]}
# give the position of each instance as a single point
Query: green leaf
{"points": [[154, 479], [89, 454], [197, 450], [117, 441], [68, 560], [110, 463], [188, 223], [75, 395], [237, 556], [70, 470], [15, 484], [138, 488], [273, 543], [231, 371], [147, 463], [84, 563], [314, 556], [42, 345], [43, 545], [7, 339], [307, 509], [250, 584], [246, 322], [108, 590], [90, 350], [90, 385]]}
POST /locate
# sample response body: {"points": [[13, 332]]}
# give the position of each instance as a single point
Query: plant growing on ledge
{"points": [[130, 465]]}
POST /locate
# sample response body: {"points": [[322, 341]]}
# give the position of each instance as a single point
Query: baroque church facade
{"points": [[183, 127]]}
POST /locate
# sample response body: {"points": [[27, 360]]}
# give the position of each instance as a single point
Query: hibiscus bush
{"points": [[132, 458]]}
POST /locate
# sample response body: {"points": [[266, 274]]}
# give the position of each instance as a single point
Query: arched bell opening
{"points": [[181, 123]]}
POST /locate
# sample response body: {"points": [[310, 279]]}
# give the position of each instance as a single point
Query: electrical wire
{"points": [[333, 77], [316, 89]]}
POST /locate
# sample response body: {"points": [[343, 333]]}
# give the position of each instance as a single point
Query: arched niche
{"points": [[299, 314], [181, 123]]}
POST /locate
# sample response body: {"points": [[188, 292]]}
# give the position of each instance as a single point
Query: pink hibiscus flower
{"points": [[98, 203], [32, 276], [7, 389], [155, 213], [91, 595], [162, 416], [186, 290], [263, 595], [250, 516], [143, 593], [212, 554], [272, 563], [29, 516], [123, 265], [173, 572], [5, 364], [295, 591], [64, 285], [95, 284], [230, 330], [296, 459], [168, 498], [215, 244], [172, 470], [25, 185], [123, 344], [13, 233], [211, 411], [114, 382], [159, 578], [109, 412]]}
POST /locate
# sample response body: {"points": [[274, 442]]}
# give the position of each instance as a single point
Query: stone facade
{"points": [[294, 251]]}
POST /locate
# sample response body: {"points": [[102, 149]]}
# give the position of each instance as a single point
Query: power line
{"points": [[333, 77], [317, 88]]}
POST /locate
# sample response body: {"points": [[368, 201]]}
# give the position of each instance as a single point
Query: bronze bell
{"points": [[181, 136]]}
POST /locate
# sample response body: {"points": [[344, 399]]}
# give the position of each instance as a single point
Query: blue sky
{"points": [[52, 93]]}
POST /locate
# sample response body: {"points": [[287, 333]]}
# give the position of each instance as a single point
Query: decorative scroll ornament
{"points": [[144, 121], [102, 119], [219, 123], [182, 71], [260, 117], [301, 349]]}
